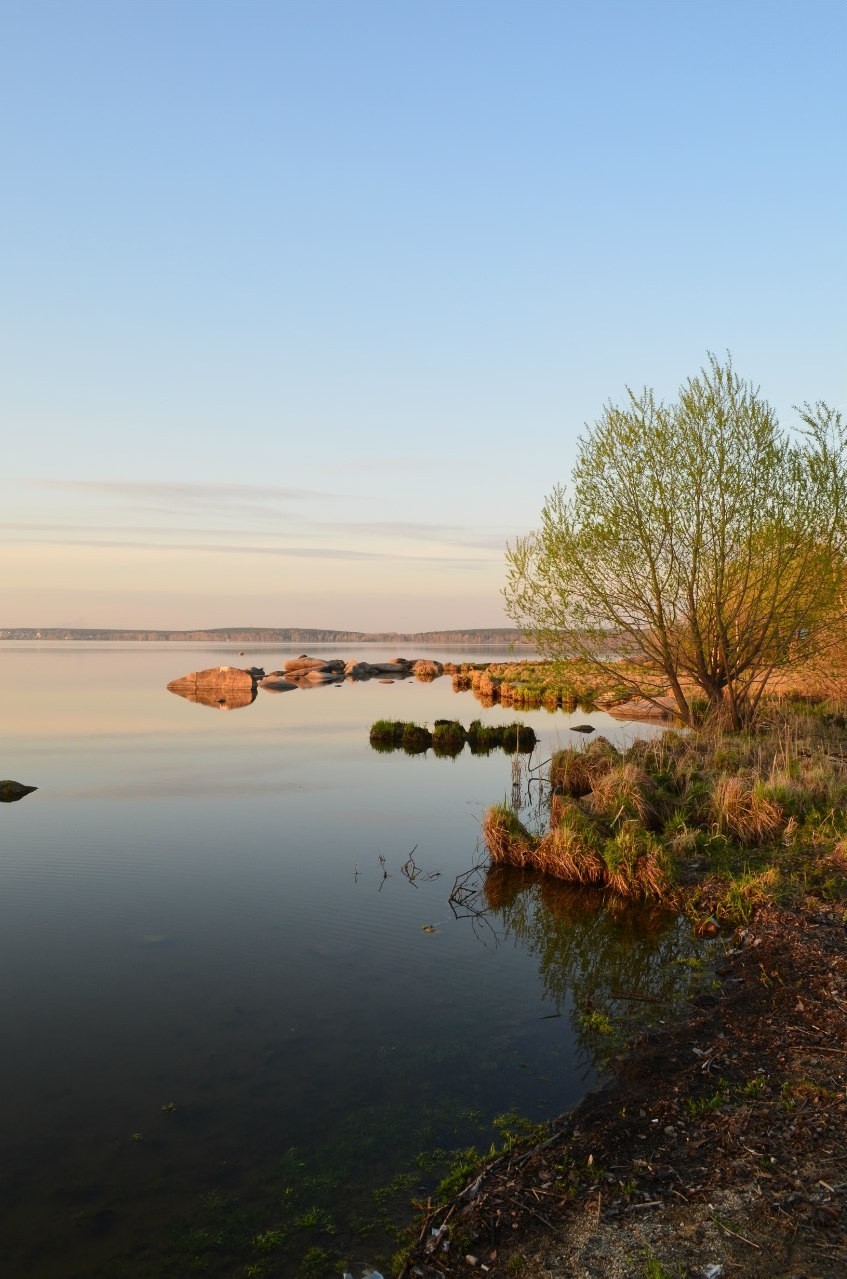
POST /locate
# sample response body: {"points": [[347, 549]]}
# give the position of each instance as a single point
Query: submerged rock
{"points": [[11, 792], [390, 668]]}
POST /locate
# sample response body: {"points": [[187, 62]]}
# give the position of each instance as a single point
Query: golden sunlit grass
{"points": [[574, 771], [743, 810], [625, 791], [700, 820]]}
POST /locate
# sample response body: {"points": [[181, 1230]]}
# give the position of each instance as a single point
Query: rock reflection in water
{"points": [[623, 965], [227, 688]]}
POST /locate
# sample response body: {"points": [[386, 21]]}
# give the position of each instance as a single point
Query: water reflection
{"points": [[447, 738], [187, 953], [227, 688], [612, 963]]}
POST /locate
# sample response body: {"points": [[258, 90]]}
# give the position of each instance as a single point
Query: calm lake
{"points": [[235, 1031]]}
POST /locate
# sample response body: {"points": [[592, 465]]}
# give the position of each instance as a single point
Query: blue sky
{"points": [[306, 304]]}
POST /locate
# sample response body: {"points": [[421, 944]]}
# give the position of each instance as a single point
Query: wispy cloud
{"points": [[454, 534], [231, 548], [440, 534], [169, 491]]}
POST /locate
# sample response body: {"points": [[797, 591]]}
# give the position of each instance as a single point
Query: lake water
{"points": [[229, 1017]]}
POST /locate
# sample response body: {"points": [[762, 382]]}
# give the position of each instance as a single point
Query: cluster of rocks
{"points": [[298, 671], [229, 687]]}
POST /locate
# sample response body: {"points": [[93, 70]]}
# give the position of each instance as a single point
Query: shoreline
{"points": [[720, 1141]]}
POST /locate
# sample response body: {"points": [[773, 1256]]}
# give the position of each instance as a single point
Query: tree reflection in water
{"points": [[615, 966]]}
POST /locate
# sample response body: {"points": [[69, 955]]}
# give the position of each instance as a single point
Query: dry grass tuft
{"points": [[506, 838], [837, 856], [745, 811], [569, 849], [625, 792]]}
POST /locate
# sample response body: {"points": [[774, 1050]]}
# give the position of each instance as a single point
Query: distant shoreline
{"points": [[504, 636]]}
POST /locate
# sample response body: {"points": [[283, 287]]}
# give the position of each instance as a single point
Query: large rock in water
{"points": [[225, 687], [297, 666], [11, 792]]}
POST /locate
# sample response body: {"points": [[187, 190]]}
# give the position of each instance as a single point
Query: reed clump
{"points": [[625, 792], [744, 809], [703, 820], [506, 838], [530, 684], [574, 771], [447, 737], [570, 849]]}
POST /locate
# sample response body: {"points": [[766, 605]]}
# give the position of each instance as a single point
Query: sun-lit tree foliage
{"points": [[699, 539]]}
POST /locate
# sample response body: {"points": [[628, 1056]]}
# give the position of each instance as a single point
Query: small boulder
{"points": [[359, 670], [276, 683]]}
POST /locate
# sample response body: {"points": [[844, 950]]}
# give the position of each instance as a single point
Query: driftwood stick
{"points": [[726, 1229]]}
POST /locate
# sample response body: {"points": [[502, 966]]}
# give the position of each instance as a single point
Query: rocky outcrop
{"points": [[229, 687], [303, 664]]}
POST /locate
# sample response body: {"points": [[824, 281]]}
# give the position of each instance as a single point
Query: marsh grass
{"points": [[448, 737], [506, 837], [574, 772], [530, 684], [626, 791], [708, 823]]}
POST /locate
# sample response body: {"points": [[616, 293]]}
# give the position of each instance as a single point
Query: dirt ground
{"points": [[719, 1149]]}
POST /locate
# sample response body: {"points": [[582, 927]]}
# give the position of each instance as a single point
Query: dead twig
{"points": [[727, 1230]]}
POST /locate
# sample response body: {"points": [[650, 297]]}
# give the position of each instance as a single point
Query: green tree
{"points": [[698, 539]]}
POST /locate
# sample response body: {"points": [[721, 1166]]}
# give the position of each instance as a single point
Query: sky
{"points": [[306, 303]]}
